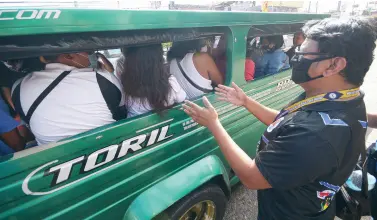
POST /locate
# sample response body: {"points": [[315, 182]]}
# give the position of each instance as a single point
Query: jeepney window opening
{"points": [[24, 50], [255, 62], [15, 47]]}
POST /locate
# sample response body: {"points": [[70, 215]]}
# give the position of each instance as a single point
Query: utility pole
{"points": [[310, 3], [316, 8]]}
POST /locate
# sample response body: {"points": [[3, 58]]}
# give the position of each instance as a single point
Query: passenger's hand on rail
{"points": [[233, 94], [206, 116]]}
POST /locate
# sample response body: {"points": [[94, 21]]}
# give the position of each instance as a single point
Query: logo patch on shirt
{"points": [[330, 186], [324, 194], [274, 124], [327, 196]]}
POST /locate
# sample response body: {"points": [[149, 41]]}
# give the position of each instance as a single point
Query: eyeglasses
{"points": [[298, 52], [313, 53]]}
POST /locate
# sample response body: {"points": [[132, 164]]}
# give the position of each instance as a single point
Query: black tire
{"points": [[208, 192]]}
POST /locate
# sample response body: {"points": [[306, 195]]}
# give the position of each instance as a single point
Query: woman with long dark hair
{"points": [[146, 84], [195, 71]]}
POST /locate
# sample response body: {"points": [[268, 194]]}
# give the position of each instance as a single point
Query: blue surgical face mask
{"points": [[93, 60]]}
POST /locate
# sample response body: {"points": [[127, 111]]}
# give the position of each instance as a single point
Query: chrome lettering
{"points": [[6, 11], [131, 144], [153, 137], [29, 14], [164, 131], [48, 14], [284, 84], [63, 170], [91, 162], [20, 15]]}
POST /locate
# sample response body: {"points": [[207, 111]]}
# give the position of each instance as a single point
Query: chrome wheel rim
{"points": [[204, 210]]}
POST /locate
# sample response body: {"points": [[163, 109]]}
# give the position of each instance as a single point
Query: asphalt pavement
{"points": [[243, 202]]}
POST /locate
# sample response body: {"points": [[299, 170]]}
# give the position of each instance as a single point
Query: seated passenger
{"points": [[219, 55], [8, 76], [249, 67], [298, 39], [10, 140], [105, 64], [147, 86], [21, 67], [119, 66], [80, 98], [195, 71], [273, 59]]}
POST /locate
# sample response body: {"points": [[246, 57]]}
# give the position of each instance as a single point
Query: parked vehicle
{"points": [[150, 166]]}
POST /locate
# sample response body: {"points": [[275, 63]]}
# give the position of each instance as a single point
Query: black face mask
{"points": [[300, 68], [267, 48]]}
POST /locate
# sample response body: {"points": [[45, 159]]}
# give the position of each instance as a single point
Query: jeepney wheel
{"points": [[206, 203]]}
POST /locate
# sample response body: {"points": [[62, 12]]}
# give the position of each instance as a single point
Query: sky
{"points": [[323, 5]]}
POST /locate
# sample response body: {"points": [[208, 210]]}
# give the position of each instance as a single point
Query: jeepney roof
{"points": [[32, 21]]}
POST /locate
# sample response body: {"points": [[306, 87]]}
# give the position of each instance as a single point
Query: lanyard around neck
{"points": [[342, 95]]}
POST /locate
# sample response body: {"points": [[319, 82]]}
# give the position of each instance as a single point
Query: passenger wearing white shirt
{"points": [[195, 71], [147, 86], [85, 99]]}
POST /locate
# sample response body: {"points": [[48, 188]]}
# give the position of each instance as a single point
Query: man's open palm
{"points": [[233, 94]]}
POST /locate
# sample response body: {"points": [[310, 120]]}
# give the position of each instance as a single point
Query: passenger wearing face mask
{"points": [[298, 39], [74, 93], [273, 59]]}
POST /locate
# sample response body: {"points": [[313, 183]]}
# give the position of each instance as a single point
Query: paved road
{"points": [[243, 203]]}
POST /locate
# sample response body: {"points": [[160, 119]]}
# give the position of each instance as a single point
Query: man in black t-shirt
{"points": [[372, 163], [312, 145]]}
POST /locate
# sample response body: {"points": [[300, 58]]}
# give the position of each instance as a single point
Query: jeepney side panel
{"points": [[175, 187], [108, 190]]}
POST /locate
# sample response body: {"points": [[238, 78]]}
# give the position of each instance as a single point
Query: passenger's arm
{"points": [[178, 93], [372, 120], [9, 133], [236, 96], [23, 130], [206, 62], [290, 52], [241, 163], [13, 139], [7, 96], [106, 64], [285, 59]]}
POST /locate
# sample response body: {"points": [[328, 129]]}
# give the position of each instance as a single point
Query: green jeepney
{"points": [[149, 166]]}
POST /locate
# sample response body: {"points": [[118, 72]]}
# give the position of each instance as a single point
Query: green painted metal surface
{"points": [[106, 192], [43, 21], [173, 188], [169, 145]]}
